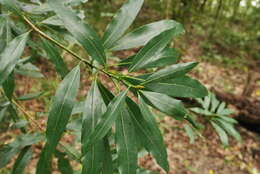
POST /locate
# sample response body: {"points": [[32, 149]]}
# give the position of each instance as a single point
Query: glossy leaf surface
{"points": [[121, 21]]}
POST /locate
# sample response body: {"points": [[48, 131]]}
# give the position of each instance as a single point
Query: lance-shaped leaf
{"points": [[58, 118], [9, 86], [5, 32], [153, 47], [142, 35], [55, 58], [126, 143], [83, 33], [106, 94], [171, 72], [179, 87], [107, 120], [93, 110], [221, 133], [122, 20], [107, 166], [149, 118], [22, 160], [146, 128], [165, 104], [229, 128], [10, 56], [166, 57]]}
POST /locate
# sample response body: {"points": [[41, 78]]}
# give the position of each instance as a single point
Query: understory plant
{"points": [[112, 125]]}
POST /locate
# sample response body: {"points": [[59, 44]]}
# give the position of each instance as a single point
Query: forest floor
{"points": [[204, 156], [208, 156]]}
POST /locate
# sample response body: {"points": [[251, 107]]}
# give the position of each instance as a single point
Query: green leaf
{"points": [[5, 32], [106, 94], [142, 35], [149, 118], [29, 70], [214, 102], [13, 6], [63, 163], [30, 96], [221, 107], [126, 143], [201, 111], [107, 120], [9, 86], [83, 33], [171, 72], [10, 56], [165, 104], [153, 47], [53, 20], [3, 113], [94, 108], [228, 119], [166, 57], [229, 128], [8, 152], [179, 87], [107, 167], [58, 118], [221, 133], [206, 103], [121, 21], [188, 129], [149, 132], [55, 58], [22, 160]]}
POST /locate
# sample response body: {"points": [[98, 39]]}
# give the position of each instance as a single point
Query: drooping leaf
{"points": [[153, 47], [171, 72], [121, 21], [146, 128], [126, 143], [107, 166], [10, 56], [83, 33], [63, 163], [107, 120], [179, 87], [222, 134], [55, 58], [94, 108], [144, 34], [229, 128], [149, 118], [58, 117], [165, 104], [22, 160]]}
